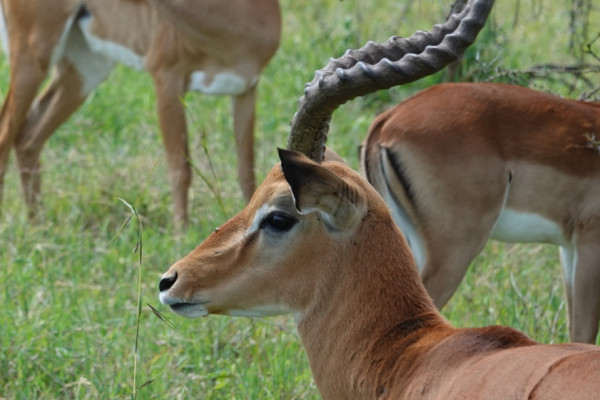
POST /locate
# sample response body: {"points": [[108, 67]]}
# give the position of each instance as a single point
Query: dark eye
{"points": [[279, 221]]}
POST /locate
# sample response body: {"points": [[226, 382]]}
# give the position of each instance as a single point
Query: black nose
{"points": [[167, 282]]}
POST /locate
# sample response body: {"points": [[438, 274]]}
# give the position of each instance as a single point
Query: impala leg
{"points": [[243, 126], [33, 34], [65, 93], [22, 91], [458, 234], [446, 268], [28, 71], [455, 236], [568, 257], [586, 288], [170, 90]]}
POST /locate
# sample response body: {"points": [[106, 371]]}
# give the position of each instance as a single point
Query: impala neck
{"points": [[359, 326]]}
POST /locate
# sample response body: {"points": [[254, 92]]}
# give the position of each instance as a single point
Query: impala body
{"points": [[461, 163], [317, 240], [209, 46]]}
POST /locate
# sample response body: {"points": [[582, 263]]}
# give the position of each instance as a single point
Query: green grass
{"points": [[69, 291]]}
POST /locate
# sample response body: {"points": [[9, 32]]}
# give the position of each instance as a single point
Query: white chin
{"points": [[189, 310]]}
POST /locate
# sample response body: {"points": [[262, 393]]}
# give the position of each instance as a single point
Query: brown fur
{"points": [[368, 326], [174, 37], [459, 154]]}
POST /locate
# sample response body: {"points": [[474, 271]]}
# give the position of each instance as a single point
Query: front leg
{"points": [[585, 310]]}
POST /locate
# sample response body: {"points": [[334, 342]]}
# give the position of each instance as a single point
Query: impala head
{"points": [[266, 260]]}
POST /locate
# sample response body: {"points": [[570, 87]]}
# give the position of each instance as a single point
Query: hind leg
{"points": [[27, 74], [447, 265], [33, 35], [65, 93], [76, 74], [454, 233], [23, 88], [585, 305]]}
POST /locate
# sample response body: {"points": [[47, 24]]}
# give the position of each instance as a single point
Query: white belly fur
{"points": [[226, 83], [515, 226]]}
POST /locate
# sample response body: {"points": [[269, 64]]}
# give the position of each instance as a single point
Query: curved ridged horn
{"points": [[380, 66]]}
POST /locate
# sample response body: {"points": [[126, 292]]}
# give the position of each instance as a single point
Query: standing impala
{"points": [[318, 241], [212, 46], [461, 163]]}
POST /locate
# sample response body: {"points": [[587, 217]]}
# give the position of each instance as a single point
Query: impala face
{"points": [[265, 260], [226, 274]]}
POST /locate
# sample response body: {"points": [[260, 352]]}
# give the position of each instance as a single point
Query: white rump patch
{"points": [[93, 67], [521, 227], [408, 229], [63, 41], [226, 83], [114, 51], [411, 234]]}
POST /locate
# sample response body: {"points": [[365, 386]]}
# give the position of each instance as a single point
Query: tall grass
{"points": [[70, 290]]}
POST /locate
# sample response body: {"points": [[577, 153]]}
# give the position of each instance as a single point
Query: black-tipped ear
{"points": [[317, 189]]}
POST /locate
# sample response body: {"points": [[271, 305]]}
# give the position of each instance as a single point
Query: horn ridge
{"points": [[380, 66], [396, 46]]}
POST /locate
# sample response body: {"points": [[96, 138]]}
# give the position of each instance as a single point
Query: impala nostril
{"points": [[167, 282]]}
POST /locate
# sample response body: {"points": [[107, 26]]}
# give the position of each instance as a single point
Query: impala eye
{"points": [[279, 221]]}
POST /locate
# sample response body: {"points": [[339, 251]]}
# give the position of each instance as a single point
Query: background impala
{"points": [[461, 163], [209, 46]]}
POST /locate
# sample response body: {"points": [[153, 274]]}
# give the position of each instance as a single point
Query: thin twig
{"points": [[138, 248]]}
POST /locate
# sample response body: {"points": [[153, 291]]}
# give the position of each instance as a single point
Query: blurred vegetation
{"points": [[70, 282]]}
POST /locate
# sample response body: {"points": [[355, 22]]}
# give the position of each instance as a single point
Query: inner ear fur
{"points": [[317, 189]]}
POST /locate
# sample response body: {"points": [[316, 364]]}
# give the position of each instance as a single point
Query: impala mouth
{"points": [[189, 309]]}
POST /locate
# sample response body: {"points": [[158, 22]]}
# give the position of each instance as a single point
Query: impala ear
{"points": [[317, 189]]}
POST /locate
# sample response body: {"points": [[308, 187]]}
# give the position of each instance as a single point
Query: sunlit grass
{"points": [[70, 283]]}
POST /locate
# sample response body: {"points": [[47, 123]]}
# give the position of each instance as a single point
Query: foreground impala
{"points": [[212, 46], [319, 242], [461, 163]]}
